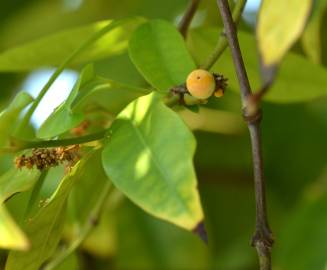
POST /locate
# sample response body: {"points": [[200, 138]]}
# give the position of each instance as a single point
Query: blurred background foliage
{"points": [[294, 136]]}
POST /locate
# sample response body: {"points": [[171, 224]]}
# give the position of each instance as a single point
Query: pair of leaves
{"points": [[149, 152], [277, 30]]}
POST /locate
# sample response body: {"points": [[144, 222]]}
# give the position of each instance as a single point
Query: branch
{"points": [[188, 16], [91, 222], [262, 239], [24, 144], [222, 41]]}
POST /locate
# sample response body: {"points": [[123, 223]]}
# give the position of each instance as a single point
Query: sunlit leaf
{"points": [[11, 236], [159, 53], [298, 79], [143, 158], [52, 50], [9, 117], [44, 229], [277, 30]]}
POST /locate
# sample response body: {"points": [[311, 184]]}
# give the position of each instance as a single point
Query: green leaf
{"points": [[298, 79], [45, 228], [279, 26], [311, 38], [158, 51], [143, 158], [46, 51], [11, 236], [9, 117], [111, 95], [16, 181], [63, 118]]}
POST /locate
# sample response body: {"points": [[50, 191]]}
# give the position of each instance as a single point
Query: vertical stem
{"points": [[188, 16], [222, 41], [262, 239]]}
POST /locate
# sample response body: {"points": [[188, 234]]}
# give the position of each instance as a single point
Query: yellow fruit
{"points": [[219, 92], [201, 84]]}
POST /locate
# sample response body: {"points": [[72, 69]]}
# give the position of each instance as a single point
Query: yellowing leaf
{"points": [[11, 236], [280, 23]]}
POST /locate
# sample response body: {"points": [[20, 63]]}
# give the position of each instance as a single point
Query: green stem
{"points": [[22, 144], [26, 119], [35, 192], [88, 226], [222, 41]]}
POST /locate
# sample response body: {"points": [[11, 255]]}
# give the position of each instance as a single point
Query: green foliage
{"points": [[275, 33], [46, 52], [159, 53], [9, 117], [140, 141], [44, 229]]}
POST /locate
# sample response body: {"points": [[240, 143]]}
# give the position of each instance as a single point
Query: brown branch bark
{"points": [[188, 16], [262, 239]]}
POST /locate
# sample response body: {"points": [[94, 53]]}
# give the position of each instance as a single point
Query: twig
{"points": [[222, 41], [89, 225], [24, 144], [262, 239], [35, 192], [188, 16]]}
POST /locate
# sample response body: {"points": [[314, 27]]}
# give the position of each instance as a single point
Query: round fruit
{"points": [[201, 84]]}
